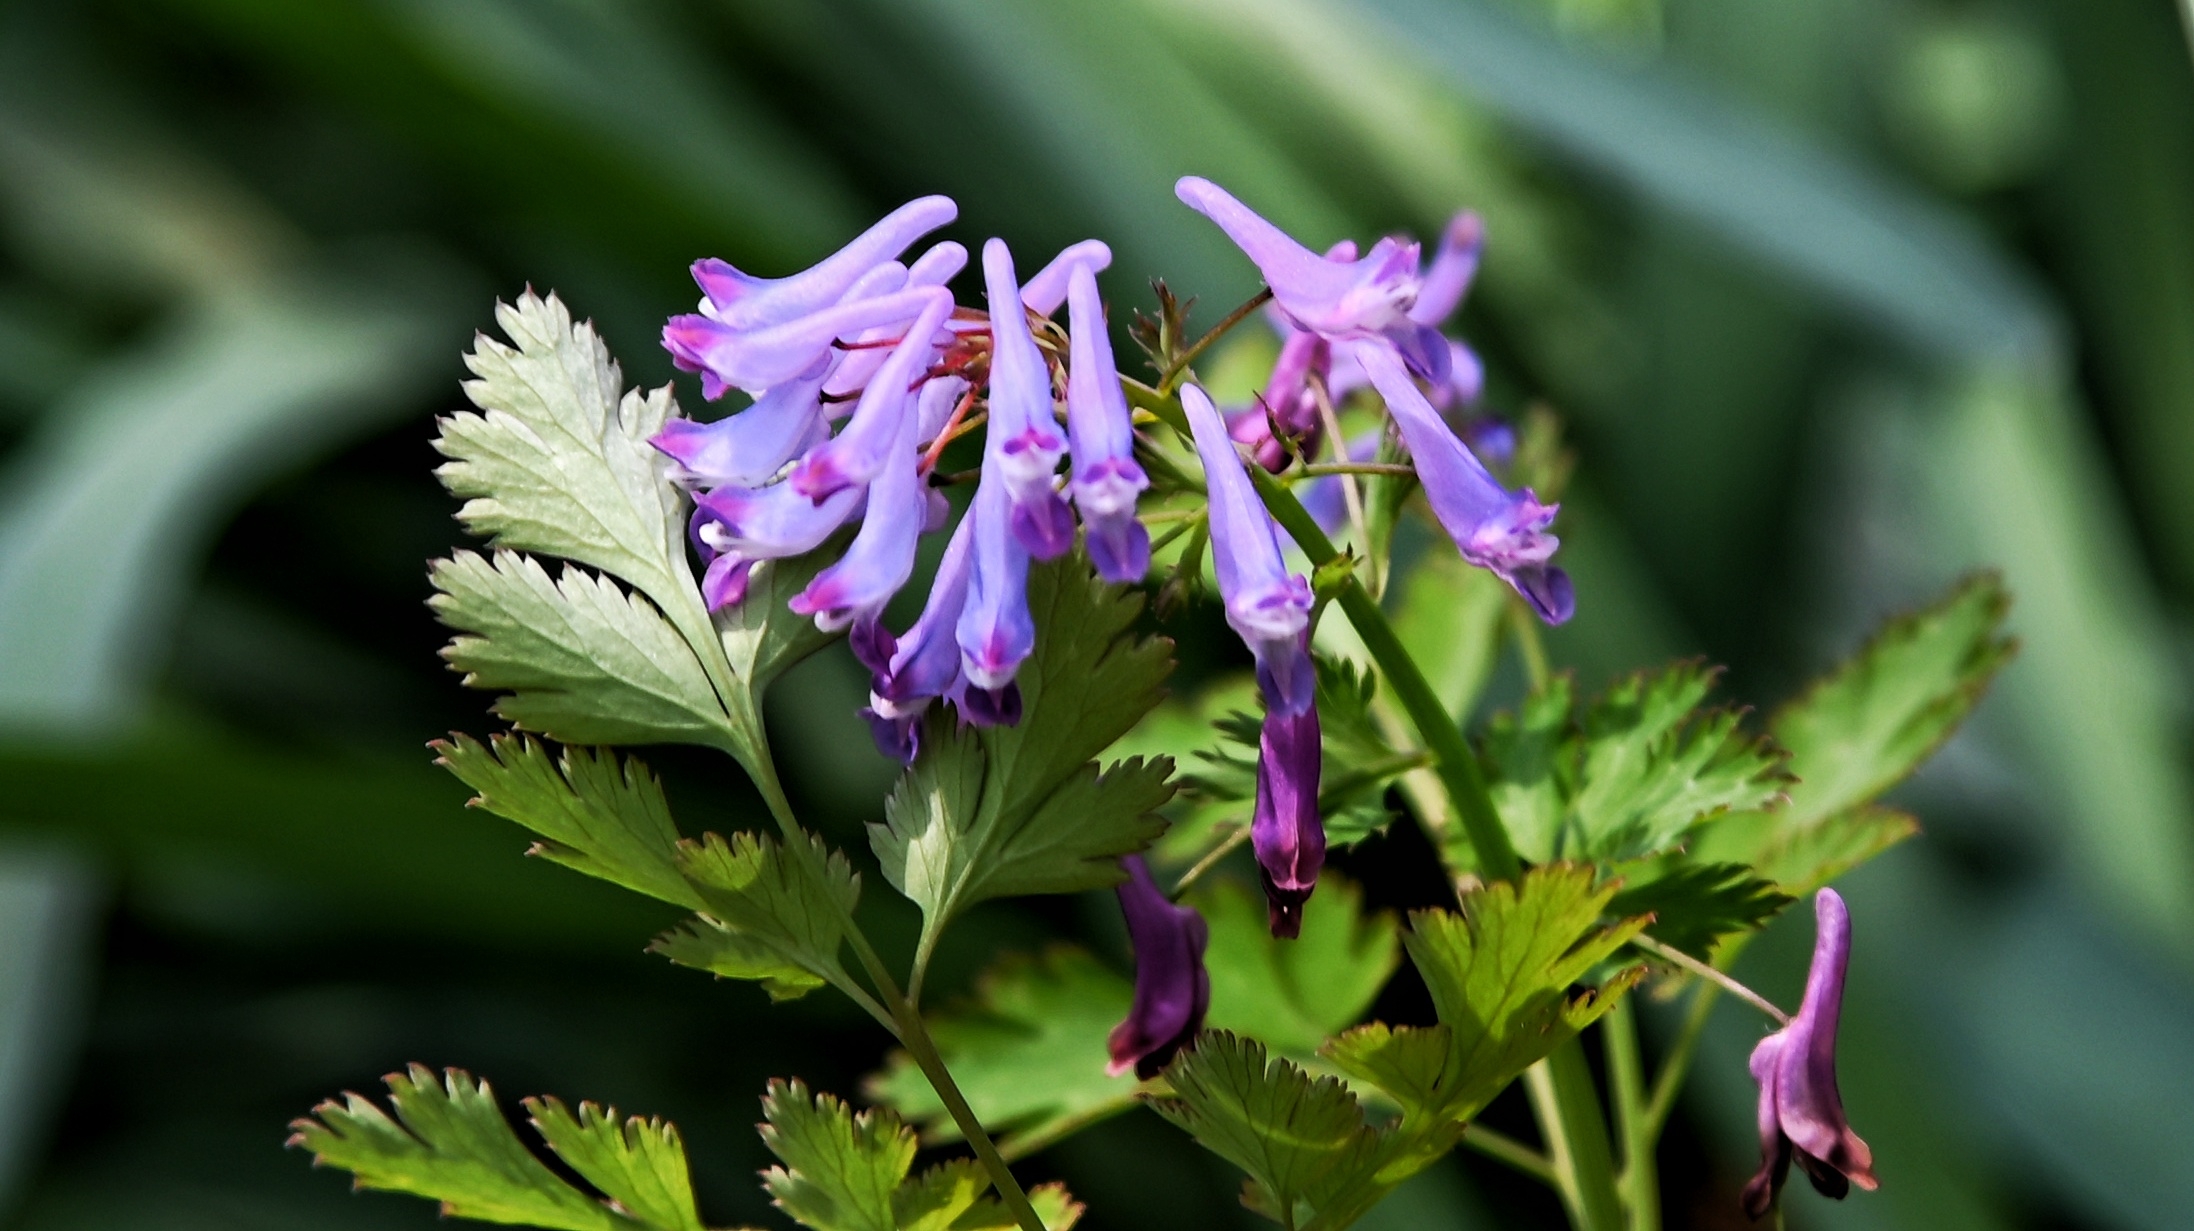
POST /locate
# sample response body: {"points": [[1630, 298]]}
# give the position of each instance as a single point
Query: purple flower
{"points": [[1172, 989], [1285, 830], [855, 366], [1340, 299], [995, 631], [1268, 606], [1453, 268], [758, 359], [925, 663], [881, 556], [1044, 293], [743, 302], [1022, 423], [859, 451], [751, 446], [769, 523], [1106, 476], [1801, 1113], [1494, 528]]}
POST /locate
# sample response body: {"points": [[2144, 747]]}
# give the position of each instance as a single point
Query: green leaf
{"points": [[988, 812], [1028, 1052], [558, 460], [1500, 975], [761, 635], [450, 1143], [848, 1171], [1867, 726], [584, 662], [770, 919], [1695, 905], [593, 814], [1303, 1140], [1642, 769], [639, 1163], [1293, 995]]}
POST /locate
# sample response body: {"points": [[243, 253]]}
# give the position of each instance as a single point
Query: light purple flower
{"points": [[881, 556], [1106, 477], [1494, 528], [749, 448], [1172, 989], [995, 631], [744, 302], [1801, 1112], [858, 363], [924, 664], [769, 523], [1268, 606], [1023, 427], [859, 451], [1044, 293], [759, 359], [1453, 268], [1288, 404], [1344, 299], [1285, 830]]}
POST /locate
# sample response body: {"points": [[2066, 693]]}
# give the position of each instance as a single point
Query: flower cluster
{"points": [[878, 343]]}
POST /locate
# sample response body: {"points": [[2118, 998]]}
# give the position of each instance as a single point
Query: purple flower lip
{"points": [[859, 451], [1024, 430], [924, 664], [1172, 989], [1265, 604], [881, 556], [742, 301], [995, 631], [1107, 478], [1801, 1111], [1285, 830]]}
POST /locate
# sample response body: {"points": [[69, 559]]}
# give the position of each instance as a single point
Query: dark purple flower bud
{"points": [[1172, 989], [1494, 528], [995, 631], [1023, 427], [749, 448], [1107, 478], [1266, 605], [884, 419], [924, 664], [1801, 1112], [1286, 831], [744, 302]]}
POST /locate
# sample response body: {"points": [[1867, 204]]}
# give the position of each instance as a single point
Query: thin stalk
{"points": [[1312, 470], [1506, 1149], [1568, 1108], [1677, 957], [1211, 860], [1181, 361], [1670, 1080], [1639, 1181], [1185, 525], [1351, 494], [1530, 644]]}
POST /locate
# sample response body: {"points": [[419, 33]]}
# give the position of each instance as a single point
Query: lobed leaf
{"points": [[987, 812], [450, 1143], [640, 1163], [768, 918], [582, 661], [1294, 995], [593, 813], [1695, 905]]}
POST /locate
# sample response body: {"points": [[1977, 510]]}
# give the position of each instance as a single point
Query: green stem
{"points": [[1180, 362], [1503, 1148], [1568, 1109], [1232, 843], [1678, 958], [1639, 1182]]}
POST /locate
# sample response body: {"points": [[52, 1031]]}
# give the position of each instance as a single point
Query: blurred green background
{"points": [[1841, 298]]}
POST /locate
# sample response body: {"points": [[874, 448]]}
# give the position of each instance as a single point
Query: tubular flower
{"points": [[881, 556], [995, 631], [1268, 606], [751, 446], [1801, 1112], [758, 359], [1044, 293], [742, 301], [1285, 831], [935, 267], [1106, 477], [925, 663], [1021, 418], [1172, 989], [1494, 528], [874, 432]]}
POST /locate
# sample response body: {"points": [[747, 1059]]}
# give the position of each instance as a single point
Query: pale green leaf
{"points": [[450, 1143], [1500, 975], [582, 661], [751, 887], [1868, 725], [1803, 858], [761, 635], [986, 812], [639, 1163], [1303, 1140], [704, 944], [1028, 1052], [593, 813], [558, 460], [1293, 995]]}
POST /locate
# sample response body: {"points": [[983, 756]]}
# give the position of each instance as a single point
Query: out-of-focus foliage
{"points": [[1841, 301]]}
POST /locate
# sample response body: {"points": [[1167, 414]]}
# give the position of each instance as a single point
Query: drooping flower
{"points": [[881, 557], [923, 665], [995, 631], [769, 523], [1494, 528], [1285, 830], [1021, 418], [1172, 990], [741, 301], [864, 354], [861, 448], [1107, 478], [1801, 1111], [1268, 606], [749, 448], [758, 359], [1340, 299]]}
